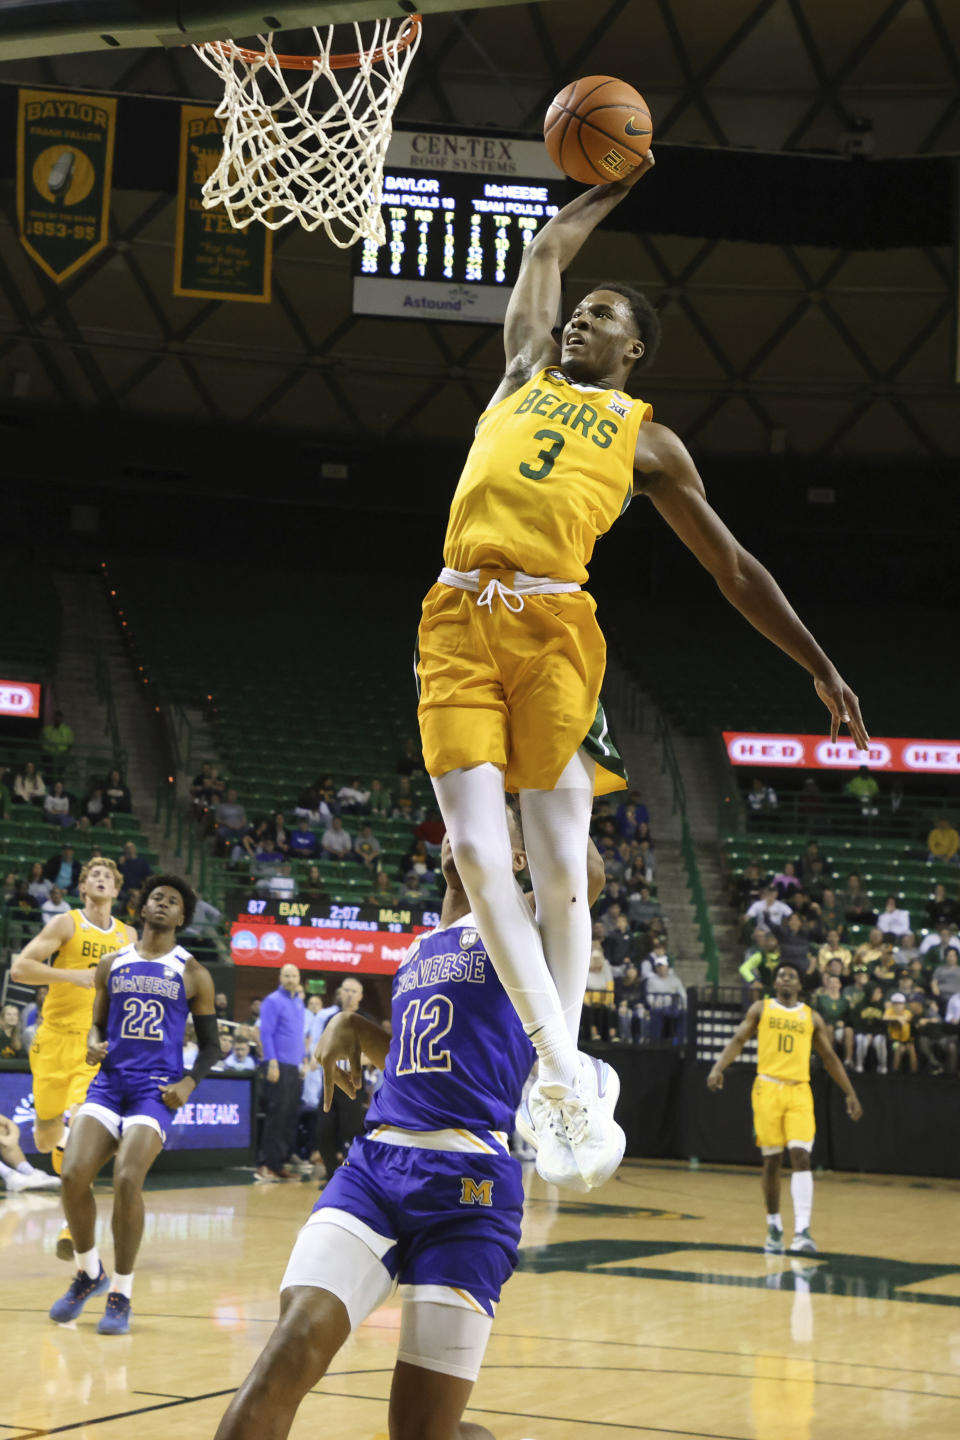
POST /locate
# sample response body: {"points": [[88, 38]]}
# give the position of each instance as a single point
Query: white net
{"points": [[304, 144]]}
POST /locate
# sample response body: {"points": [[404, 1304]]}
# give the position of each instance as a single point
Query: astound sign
{"points": [[814, 752], [20, 698]]}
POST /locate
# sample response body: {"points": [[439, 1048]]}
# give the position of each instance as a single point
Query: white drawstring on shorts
{"points": [[494, 589]]}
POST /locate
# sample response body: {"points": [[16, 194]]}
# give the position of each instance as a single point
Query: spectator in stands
{"points": [[762, 960], [815, 879], [134, 869], [383, 890], [856, 902], [11, 1038], [303, 840], [56, 806], [55, 904], [809, 912], [129, 905], [641, 909], [240, 1058], [619, 947], [281, 1036], [599, 1010], [117, 794], [832, 912], [337, 843], [410, 760], [833, 1005], [313, 888], [312, 807], [29, 787], [412, 889], [864, 789], [750, 885], [893, 920], [943, 842], [942, 910], [93, 808], [658, 951], [207, 788], [10, 883], [906, 951], [431, 831], [353, 799], [870, 951], [281, 884], [768, 912], [645, 864], [6, 798], [367, 846], [934, 946], [630, 1009], [869, 1030], [281, 835], [834, 950], [63, 870], [315, 1020], [37, 884], [265, 854], [403, 807], [381, 802], [897, 1019], [796, 948], [232, 826], [608, 915], [761, 797], [205, 923], [666, 1001], [23, 902], [786, 881], [57, 742], [945, 981], [420, 861], [935, 1042], [884, 972]]}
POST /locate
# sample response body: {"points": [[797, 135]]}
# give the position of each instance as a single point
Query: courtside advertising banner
{"points": [[64, 169], [213, 260], [356, 950], [19, 700], [815, 752]]}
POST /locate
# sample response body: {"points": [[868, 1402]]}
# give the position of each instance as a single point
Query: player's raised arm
{"points": [[745, 1031], [833, 1067], [668, 477], [532, 312], [28, 968]]}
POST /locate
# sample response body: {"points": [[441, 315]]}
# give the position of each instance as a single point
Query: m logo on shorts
{"points": [[475, 1192]]}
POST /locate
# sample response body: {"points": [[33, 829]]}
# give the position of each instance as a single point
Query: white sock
{"points": [[556, 825], [25, 1168], [6, 1170], [801, 1192], [472, 805], [89, 1262], [775, 1220], [122, 1284]]}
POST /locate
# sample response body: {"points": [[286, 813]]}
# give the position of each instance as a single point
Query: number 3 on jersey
{"points": [[548, 456], [423, 1024]]}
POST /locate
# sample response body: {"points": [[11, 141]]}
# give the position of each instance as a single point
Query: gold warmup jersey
{"points": [[784, 1037], [550, 470], [68, 1005]]}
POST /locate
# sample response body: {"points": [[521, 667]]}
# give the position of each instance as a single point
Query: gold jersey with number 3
{"points": [[69, 1006], [784, 1037], [550, 470]]}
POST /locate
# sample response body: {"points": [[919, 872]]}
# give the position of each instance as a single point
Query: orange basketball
{"points": [[598, 129]]}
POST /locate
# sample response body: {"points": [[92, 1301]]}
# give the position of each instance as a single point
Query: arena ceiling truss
{"points": [[767, 348]]}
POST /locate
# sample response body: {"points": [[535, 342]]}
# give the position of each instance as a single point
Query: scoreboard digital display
{"points": [[458, 211], [359, 939]]}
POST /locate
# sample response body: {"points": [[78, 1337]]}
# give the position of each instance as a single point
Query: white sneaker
{"points": [[17, 1182], [579, 1126], [40, 1180], [540, 1121]]}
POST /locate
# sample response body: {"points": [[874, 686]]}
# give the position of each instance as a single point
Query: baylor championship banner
{"points": [[213, 260], [64, 166]]}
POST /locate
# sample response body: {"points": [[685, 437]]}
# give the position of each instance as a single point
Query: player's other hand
{"points": [[96, 1054], [854, 1108], [715, 1079], [339, 1042], [844, 708], [86, 979], [173, 1096], [273, 1072]]}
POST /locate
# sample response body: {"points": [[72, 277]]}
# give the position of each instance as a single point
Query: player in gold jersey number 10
{"points": [[785, 1042], [548, 456]]}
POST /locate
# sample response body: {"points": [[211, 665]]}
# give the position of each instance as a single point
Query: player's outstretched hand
{"points": [[96, 1054], [844, 708], [715, 1079], [854, 1108], [339, 1042], [173, 1096]]}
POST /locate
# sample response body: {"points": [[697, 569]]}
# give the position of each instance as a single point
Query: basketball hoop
{"points": [[306, 146]]}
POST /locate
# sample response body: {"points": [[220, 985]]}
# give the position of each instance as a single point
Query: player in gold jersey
{"points": [[511, 658], [782, 1103], [64, 956]]}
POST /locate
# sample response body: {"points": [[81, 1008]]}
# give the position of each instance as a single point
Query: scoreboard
{"points": [[357, 939], [458, 211]]}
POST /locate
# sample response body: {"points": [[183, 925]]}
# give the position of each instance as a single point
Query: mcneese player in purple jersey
{"points": [[429, 1198], [144, 996]]}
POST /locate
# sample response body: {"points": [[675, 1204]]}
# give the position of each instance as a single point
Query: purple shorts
{"points": [[120, 1098]]}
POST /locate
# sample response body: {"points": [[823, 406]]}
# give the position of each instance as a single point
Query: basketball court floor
{"points": [[646, 1309]]}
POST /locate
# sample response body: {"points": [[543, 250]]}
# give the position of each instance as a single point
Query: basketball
{"points": [[597, 129]]}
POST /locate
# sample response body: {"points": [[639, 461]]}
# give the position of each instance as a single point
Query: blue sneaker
{"points": [[82, 1289], [116, 1318]]}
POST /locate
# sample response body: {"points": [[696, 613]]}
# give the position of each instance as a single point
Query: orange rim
{"points": [[406, 37]]}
